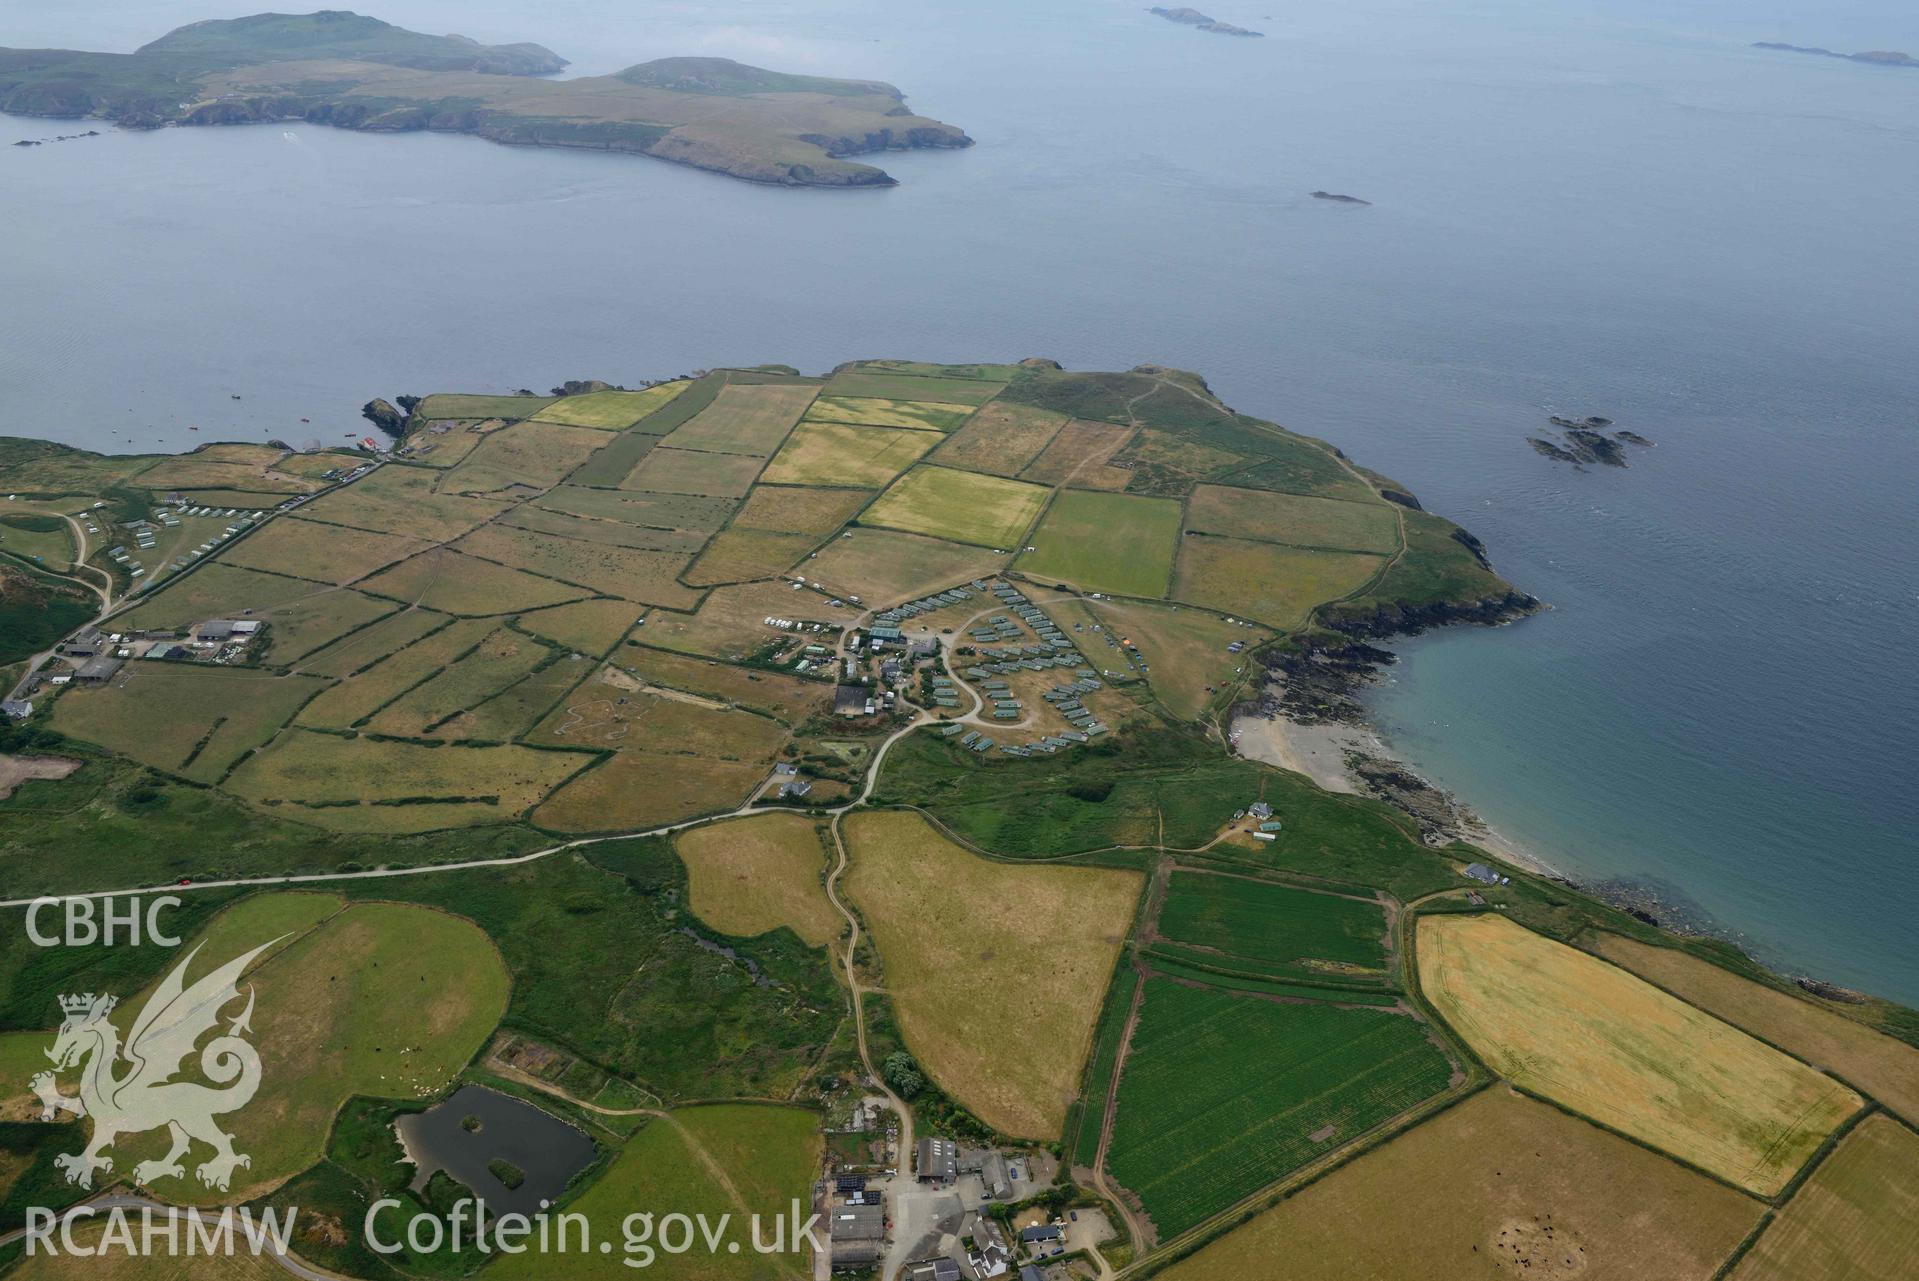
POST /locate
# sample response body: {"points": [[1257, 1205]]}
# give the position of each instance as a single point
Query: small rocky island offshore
{"points": [[1873, 57], [1194, 18], [355, 72], [1586, 440], [1338, 199]]}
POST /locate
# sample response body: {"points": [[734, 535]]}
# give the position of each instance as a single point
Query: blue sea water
{"points": [[1578, 208]]}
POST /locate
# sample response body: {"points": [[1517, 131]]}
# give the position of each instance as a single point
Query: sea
{"points": [[1616, 208]]}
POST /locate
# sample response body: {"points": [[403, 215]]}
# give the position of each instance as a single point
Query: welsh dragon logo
{"points": [[129, 1088]]}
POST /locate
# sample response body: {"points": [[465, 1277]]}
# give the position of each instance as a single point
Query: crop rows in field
{"points": [[1223, 1094]]}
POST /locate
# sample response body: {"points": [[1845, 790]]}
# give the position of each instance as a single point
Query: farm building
{"points": [[932, 1270], [856, 1223], [17, 709], [1260, 810], [849, 1183], [994, 1179], [852, 700], [936, 1161], [98, 670], [849, 1256], [1480, 872]]}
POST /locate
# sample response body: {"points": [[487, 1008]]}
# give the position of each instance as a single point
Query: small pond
{"points": [[467, 1132]]}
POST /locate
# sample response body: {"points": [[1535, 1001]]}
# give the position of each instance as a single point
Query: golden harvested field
{"points": [[655, 511], [1036, 945], [588, 530], [792, 509], [402, 500], [741, 555], [964, 506], [881, 566], [637, 790], [888, 413], [1185, 647], [686, 471], [1598, 1040], [745, 418], [1499, 1186], [853, 457], [1002, 438], [590, 626], [787, 697], [1856, 1218], [1882, 1067], [320, 777], [647, 577], [750, 875], [1266, 582], [1293, 518], [359, 696], [526, 457], [185, 719], [371, 644], [445, 580], [217, 591], [501, 658], [1078, 454], [443, 405], [322, 553], [896, 385], [731, 621], [609, 410]]}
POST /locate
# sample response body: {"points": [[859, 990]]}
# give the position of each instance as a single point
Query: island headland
{"points": [[356, 72]]}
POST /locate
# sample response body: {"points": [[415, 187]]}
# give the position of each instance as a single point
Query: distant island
{"points": [[1194, 18], [1336, 198], [1876, 57], [355, 72]]}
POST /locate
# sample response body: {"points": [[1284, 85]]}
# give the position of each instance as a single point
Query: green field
{"points": [[879, 564], [686, 471], [501, 659], [749, 419], [1121, 544], [851, 457], [36, 611], [367, 784], [629, 572], [445, 405], [371, 682], [453, 583], [1856, 1218], [1292, 518], [1082, 1144], [609, 410], [404, 500], [792, 509], [522, 458], [589, 626], [1292, 931], [186, 719], [888, 413], [892, 385], [217, 591], [319, 552], [1001, 438], [740, 555], [611, 532], [725, 1160], [963, 506], [1267, 582], [650, 511], [1223, 1093]]}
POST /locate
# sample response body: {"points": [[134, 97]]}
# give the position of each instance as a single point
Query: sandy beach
{"points": [[1319, 752]]}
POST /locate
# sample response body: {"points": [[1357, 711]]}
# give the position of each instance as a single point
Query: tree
{"points": [[903, 1074]]}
